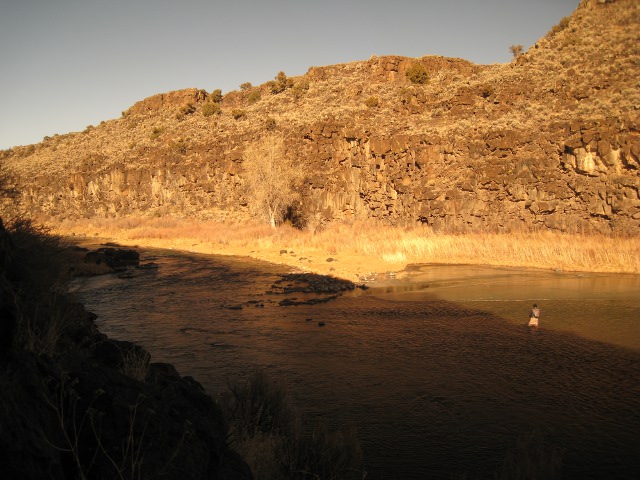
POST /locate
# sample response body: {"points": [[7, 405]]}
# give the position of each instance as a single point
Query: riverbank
{"points": [[77, 404], [361, 251]]}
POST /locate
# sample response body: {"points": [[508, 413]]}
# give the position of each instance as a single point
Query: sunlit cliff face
{"points": [[548, 141]]}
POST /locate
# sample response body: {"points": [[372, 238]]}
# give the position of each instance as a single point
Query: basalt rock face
{"points": [[550, 140], [573, 176]]}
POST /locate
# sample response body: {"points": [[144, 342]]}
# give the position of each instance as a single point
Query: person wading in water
{"points": [[534, 315]]}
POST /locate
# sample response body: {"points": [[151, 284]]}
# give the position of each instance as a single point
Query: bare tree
{"points": [[272, 178]]}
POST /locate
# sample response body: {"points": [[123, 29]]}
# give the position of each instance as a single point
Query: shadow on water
{"points": [[441, 381]]}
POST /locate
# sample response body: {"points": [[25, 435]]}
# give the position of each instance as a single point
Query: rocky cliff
{"points": [[550, 140]]}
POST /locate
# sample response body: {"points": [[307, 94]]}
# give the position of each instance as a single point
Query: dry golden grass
{"points": [[532, 250], [365, 247]]}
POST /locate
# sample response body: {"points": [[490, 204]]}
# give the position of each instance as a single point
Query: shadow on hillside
{"points": [[8, 191]]}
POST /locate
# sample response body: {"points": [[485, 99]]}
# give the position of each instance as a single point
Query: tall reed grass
{"points": [[385, 246], [278, 443], [33, 278]]}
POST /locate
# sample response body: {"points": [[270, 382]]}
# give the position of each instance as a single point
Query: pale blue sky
{"points": [[66, 64]]}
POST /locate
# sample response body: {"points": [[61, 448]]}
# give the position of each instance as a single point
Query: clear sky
{"points": [[66, 64]]}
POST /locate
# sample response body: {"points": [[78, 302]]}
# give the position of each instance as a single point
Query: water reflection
{"points": [[599, 306], [436, 369]]}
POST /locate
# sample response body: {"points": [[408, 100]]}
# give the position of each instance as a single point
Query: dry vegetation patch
{"points": [[360, 248]]}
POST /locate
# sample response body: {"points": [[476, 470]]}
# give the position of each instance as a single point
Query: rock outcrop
{"points": [[115, 258], [551, 140]]}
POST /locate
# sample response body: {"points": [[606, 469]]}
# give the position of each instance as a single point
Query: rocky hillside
{"points": [[550, 140]]}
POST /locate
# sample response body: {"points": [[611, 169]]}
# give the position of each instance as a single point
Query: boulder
{"points": [[116, 258]]}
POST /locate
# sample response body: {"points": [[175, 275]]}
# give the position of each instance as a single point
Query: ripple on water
{"points": [[441, 378]]}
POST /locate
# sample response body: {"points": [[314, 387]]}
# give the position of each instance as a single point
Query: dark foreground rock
{"points": [[311, 283], [85, 416], [315, 288], [115, 258], [76, 404]]}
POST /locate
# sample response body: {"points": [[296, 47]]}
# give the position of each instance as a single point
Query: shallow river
{"points": [[435, 368]]}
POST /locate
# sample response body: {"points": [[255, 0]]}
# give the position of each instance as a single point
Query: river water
{"points": [[435, 367]]}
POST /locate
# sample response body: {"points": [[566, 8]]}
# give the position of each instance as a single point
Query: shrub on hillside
{"points": [[216, 96], [201, 95], [179, 146], [188, 109], [486, 91], [238, 114], [254, 96], [270, 124], [273, 87], [560, 26], [280, 84], [210, 108], [300, 88], [156, 132], [246, 86], [372, 102], [31, 149], [417, 73], [516, 50], [185, 110]]}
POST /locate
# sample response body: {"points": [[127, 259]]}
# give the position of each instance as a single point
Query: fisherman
{"points": [[534, 315]]}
